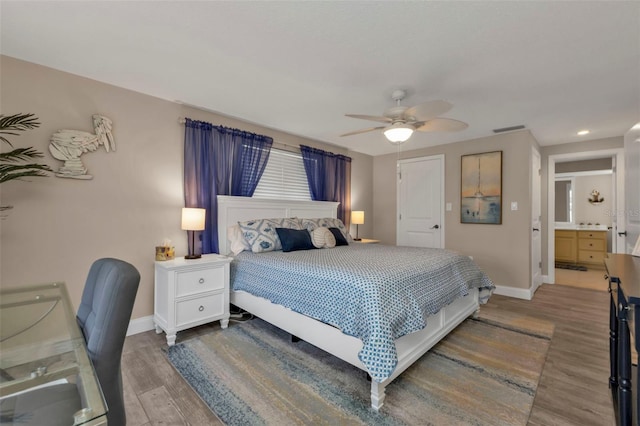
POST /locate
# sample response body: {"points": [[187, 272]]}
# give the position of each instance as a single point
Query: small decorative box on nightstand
{"points": [[190, 293], [367, 241]]}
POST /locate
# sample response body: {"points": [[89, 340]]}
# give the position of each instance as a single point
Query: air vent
{"points": [[508, 129]]}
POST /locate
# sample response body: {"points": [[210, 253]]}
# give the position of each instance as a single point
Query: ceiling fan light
{"points": [[398, 132]]}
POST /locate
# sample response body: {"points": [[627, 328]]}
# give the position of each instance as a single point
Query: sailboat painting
{"points": [[481, 188]]}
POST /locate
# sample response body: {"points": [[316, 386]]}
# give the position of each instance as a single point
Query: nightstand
{"points": [[367, 241], [190, 293]]}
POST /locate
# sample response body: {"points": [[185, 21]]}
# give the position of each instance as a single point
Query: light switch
{"points": [[448, 207], [514, 205]]}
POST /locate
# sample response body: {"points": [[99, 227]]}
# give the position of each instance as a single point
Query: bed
{"points": [[262, 285]]}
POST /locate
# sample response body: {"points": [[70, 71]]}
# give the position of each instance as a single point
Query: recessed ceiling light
{"points": [[583, 132]]}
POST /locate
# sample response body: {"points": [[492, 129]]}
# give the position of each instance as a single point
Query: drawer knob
{"points": [[590, 245], [201, 280], [201, 308]]}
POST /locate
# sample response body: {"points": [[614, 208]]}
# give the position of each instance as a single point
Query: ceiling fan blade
{"points": [[428, 110], [370, 117], [371, 129], [442, 125]]}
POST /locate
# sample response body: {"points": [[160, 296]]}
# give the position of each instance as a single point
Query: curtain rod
{"points": [[296, 149]]}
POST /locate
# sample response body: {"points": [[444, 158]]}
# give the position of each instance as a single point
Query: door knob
{"points": [[435, 227], [622, 233], [536, 229]]}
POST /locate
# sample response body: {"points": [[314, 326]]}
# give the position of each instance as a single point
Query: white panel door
{"points": [[631, 221], [536, 229], [420, 199]]}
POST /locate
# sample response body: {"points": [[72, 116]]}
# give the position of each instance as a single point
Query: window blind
{"points": [[284, 177]]}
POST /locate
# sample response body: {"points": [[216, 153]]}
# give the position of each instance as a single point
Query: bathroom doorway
{"points": [[585, 190]]}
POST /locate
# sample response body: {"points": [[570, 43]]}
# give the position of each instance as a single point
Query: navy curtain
{"points": [[220, 161], [329, 177]]}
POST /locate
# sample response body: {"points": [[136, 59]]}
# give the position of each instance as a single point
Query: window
{"points": [[284, 177]]}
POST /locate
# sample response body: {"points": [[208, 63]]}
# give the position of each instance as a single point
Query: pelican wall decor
{"points": [[69, 145]]}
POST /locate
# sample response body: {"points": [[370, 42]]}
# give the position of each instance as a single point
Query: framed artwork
{"points": [[481, 188]]}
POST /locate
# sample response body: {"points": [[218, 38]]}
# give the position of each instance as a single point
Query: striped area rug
{"points": [[484, 373]]}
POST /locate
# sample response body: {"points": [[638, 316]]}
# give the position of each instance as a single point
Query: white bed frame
{"points": [[410, 347]]}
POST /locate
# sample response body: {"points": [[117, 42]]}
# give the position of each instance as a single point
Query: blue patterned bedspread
{"points": [[374, 292]]}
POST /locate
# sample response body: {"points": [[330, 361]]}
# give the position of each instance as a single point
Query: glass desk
{"points": [[45, 370]]}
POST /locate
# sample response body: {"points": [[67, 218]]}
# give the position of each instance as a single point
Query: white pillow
{"points": [[237, 243], [261, 234], [322, 237], [325, 222]]}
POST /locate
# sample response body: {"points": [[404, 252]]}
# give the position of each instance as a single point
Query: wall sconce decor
{"points": [[595, 197], [68, 145]]}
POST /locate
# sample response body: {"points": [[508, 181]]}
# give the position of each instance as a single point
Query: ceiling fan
{"points": [[402, 121]]}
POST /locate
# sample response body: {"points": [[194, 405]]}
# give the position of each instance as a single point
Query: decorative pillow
{"points": [[340, 239], [294, 239], [325, 222], [261, 234], [237, 243], [322, 237]]}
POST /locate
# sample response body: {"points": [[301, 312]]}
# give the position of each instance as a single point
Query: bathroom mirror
{"points": [[564, 200]]}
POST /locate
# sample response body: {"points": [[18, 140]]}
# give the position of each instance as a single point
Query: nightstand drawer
{"points": [[188, 311], [198, 281], [592, 244], [191, 292]]}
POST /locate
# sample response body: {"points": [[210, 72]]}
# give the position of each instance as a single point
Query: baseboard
{"points": [[518, 293], [140, 325]]}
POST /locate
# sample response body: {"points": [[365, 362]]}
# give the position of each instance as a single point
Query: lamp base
{"points": [[193, 256], [357, 239]]}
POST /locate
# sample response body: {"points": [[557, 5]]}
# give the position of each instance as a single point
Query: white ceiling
{"points": [[555, 67]]}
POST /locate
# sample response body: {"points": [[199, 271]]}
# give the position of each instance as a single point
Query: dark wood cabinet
{"points": [[623, 271]]}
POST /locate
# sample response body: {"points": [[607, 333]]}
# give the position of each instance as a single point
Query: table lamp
{"points": [[192, 220], [357, 218]]}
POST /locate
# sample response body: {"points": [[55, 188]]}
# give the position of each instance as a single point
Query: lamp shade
{"points": [[398, 132], [193, 219], [357, 217]]}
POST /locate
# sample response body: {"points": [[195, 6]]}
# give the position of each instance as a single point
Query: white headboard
{"points": [[232, 210]]}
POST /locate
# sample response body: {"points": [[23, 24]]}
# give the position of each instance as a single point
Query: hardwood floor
{"points": [[572, 391], [154, 393], [592, 278]]}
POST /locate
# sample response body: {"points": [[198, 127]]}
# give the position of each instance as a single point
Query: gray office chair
{"points": [[103, 316]]}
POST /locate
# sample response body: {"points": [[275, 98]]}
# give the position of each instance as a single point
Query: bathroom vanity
{"points": [[582, 244]]}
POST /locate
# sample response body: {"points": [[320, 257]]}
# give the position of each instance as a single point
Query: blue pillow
{"points": [[294, 239], [340, 239]]}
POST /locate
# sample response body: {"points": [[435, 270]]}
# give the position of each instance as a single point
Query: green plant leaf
{"points": [[20, 154], [19, 173], [12, 164], [13, 124]]}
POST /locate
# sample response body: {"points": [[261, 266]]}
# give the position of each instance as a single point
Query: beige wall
{"points": [[584, 165], [58, 227], [362, 192], [502, 251], [587, 212]]}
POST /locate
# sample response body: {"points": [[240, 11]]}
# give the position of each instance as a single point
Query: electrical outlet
{"points": [[514, 205], [448, 207]]}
